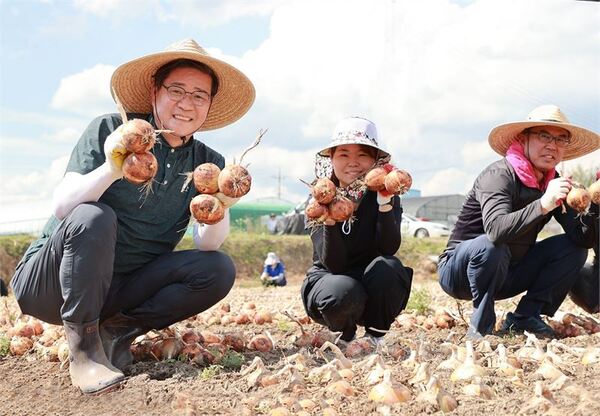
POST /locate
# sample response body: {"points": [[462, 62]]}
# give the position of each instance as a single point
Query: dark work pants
{"points": [[374, 300], [586, 290], [479, 270], [71, 277]]}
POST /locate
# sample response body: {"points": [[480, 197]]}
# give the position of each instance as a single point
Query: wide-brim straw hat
{"points": [[132, 83], [583, 141], [354, 130]]}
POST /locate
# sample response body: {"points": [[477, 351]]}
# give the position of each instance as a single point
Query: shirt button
{"points": [[172, 150], [168, 165], [165, 182]]}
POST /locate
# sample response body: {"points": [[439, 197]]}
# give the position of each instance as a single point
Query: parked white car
{"points": [[418, 228]]}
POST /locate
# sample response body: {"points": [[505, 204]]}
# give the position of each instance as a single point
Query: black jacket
{"points": [[508, 212], [373, 234]]}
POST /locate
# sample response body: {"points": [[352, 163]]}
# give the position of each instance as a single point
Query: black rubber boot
{"points": [[117, 334], [89, 368]]}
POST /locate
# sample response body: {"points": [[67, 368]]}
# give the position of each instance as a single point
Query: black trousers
{"points": [[585, 293], [71, 277], [372, 300]]}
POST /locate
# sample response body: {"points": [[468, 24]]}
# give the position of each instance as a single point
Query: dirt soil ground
{"points": [[32, 385]]}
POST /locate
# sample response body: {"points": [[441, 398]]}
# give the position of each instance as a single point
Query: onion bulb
{"points": [[140, 168], [388, 393], [207, 209], [138, 135], [398, 181], [323, 190], [594, 191], [316, 211], [579, 199], [341, 208], [234, 181], [206, 178], [375, 178]]}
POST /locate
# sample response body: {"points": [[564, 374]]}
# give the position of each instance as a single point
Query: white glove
{"points": [[557, 190], [227, 202], [383, 199], [115, 153]]}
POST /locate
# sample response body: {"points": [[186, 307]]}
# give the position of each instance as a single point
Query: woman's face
{"points": [[182, 116], [351, 161]]}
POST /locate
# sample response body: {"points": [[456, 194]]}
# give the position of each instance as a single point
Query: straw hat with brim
{"points": [[132, 83], [583, 141], [354, 130]]}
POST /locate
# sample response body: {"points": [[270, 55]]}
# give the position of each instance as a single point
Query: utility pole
{"points": [[279, 177]]}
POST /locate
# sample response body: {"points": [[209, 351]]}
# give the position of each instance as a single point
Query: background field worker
{"points": [[274, 271]]}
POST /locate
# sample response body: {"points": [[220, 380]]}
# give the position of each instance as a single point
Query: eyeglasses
{"points": [[176, 93], [547, 138]]}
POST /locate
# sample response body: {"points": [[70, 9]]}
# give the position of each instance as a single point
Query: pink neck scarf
{"points": [[524, 169]]}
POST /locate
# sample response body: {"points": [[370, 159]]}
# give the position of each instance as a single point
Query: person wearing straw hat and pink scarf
{"points": [[104, 267], [356, 279], [493, 252]]}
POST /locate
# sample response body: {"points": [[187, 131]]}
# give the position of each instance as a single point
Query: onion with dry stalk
{"points": [[341, 208], [138, 135], [316, 211], [387, 392], [235, 180], [468, 369]]}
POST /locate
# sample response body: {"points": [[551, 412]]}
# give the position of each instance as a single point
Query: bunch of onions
{"points": [[233, 181], [206, 207], [328, 203], [140, 165], [388, 178]]}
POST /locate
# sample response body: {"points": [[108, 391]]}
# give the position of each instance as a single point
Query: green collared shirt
{"points": [[148, 224]]}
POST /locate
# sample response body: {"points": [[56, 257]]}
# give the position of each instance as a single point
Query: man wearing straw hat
{"points": [[104, 267], [493, 252]]}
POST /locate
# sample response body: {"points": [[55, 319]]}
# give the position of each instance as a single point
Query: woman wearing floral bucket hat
{"points": [[493, 252], [355, 278], [104, 267]]}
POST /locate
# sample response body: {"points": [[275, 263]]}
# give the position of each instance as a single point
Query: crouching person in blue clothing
{"points": [[105, 267], [274, 271], [493, 252]]}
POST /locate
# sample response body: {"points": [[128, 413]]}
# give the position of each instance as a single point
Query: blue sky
{"points": [[434, 75]]}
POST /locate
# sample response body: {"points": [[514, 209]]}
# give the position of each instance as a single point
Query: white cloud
{"points": [[448, 181], [478, 152], [36, 185], [119, 9], [86, 92]]}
